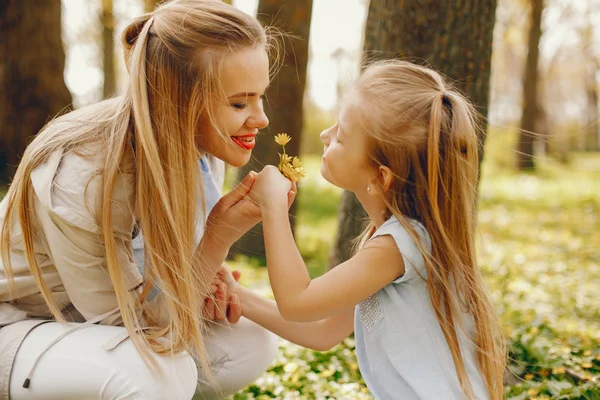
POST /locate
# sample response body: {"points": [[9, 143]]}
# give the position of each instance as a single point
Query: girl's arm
{"points": [[301, 299], [298, 297], [318, 335]]}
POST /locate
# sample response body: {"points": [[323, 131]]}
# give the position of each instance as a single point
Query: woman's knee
{"points": [[240, 355], [175, 377]]}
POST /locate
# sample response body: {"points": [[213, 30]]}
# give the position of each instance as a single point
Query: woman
{"points": [[126, 170]]}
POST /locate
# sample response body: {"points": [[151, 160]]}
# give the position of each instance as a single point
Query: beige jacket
{"points": [[68, 242], [69, 250]]}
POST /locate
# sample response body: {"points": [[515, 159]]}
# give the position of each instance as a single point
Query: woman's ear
{"points": [[385, 177]]}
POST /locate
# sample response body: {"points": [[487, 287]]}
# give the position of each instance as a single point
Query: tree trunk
{"points": [[32, 87], [284, 101], [108, 24], [525, 152], [454, 38], [592, 141], [150, 5]]}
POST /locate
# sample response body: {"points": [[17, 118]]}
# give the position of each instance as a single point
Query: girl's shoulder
{"points": [[412, 239]]}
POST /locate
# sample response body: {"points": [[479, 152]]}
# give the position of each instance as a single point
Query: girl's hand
{"points": [[233, 215], [271, 186]]}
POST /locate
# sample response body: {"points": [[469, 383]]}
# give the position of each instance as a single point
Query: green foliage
{"points": [[315, 121], [539, 249]]}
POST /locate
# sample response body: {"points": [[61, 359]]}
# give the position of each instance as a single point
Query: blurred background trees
{"points": [[458, 44], [284, 101], [32, 88], [536, 61]]}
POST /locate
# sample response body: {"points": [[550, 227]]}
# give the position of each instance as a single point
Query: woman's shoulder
{"points": [[69, 184]]}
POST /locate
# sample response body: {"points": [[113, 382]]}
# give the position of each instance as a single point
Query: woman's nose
{"points": [[258, 120]]}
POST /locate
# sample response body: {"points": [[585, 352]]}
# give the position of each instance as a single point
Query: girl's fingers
{"points": [[235, 309]]}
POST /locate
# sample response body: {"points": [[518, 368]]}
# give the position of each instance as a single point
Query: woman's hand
{"points": [[233, 215], [224, 302], [271, 186]]}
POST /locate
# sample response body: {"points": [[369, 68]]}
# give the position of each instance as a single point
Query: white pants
{"points": [[77, 367]]}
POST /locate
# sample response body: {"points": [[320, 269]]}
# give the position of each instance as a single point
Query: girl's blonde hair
{"points": [[427, 134], [174, 57]]}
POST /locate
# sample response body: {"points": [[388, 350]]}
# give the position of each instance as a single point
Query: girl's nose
{"points": [[325, 136]]}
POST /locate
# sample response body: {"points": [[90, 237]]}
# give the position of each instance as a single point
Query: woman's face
{"points": [[245, 77]]}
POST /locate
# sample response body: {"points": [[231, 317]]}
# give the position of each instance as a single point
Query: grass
{"points": [[539, 249]]}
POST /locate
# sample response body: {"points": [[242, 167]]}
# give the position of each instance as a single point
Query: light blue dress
{"points": [[401, 349]]}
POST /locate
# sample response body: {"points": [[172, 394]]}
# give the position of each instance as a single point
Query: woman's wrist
{"points": [[214, 250]]}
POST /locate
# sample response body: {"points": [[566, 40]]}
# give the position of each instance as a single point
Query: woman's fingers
{"points": [[239, 192], [291, 198], [209, 309], [220, 304], [235, 309], [236, 275]]}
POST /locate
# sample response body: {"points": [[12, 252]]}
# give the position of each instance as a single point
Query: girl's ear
{"points": [[385, 177]]}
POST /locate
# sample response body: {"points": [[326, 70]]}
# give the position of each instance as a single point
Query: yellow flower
{"points": [[558, 371], [533, 391], [529, 377], [282, 139], [297, 163], [290, 167], [587, 365]]}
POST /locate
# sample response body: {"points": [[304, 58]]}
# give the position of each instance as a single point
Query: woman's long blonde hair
{"points": [[173, 57], [427, 134]]}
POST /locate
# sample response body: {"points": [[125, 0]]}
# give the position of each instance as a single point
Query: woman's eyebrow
{"points": [[247, 94], [242, 94]]}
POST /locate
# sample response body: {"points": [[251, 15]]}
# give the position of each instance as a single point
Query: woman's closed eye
{"points": [[241, 106]]}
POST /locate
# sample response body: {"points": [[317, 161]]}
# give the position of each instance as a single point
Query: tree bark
{"points": [[32, 87], [284, 99], [150, 5], [592, 140], [525, 160], [108, 23], [454, 38]]}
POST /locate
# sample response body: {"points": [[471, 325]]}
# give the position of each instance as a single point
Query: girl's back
{"points": [[399, 342]]}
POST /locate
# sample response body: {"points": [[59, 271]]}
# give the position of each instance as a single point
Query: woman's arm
{"points": [[229, 219], [318, 335]]}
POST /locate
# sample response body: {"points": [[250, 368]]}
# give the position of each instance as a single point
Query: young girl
{"points": [[128, 167], [406, 145]]}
